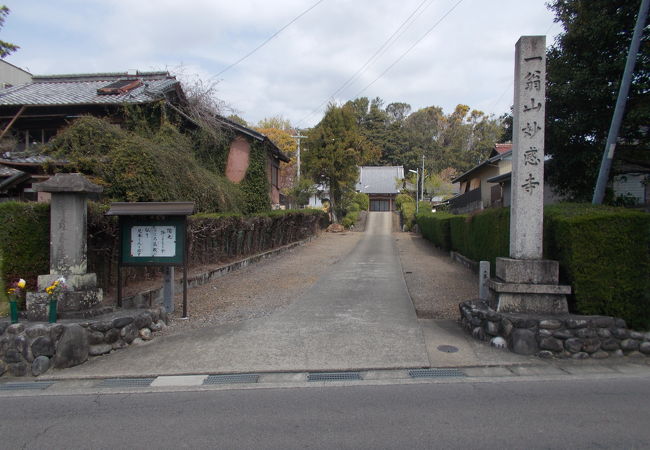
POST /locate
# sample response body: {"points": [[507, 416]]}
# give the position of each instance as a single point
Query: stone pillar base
{"points": [[75, 301], [75, 282], [37, 305], [528, 286], [530, 271]]}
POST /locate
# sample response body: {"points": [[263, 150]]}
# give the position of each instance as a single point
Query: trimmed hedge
{"points": [[212, 239], [24, 241], [436, 228], [604, 252]]}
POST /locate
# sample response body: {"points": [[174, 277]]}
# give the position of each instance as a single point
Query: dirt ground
{"points": [[436, 284]]}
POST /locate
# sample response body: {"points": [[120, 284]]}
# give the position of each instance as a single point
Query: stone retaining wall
{"points": [[562, 335], [33, 348]]}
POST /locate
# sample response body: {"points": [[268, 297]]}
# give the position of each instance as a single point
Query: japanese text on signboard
{"points": [[153, 241]]}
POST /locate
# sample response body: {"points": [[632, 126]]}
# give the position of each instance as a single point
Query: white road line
{"points": [[180, 380]]}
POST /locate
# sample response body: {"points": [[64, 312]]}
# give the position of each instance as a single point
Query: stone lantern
{"points": [[68, 249]]}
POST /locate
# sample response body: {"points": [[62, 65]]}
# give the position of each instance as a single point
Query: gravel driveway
{"points": [[436, 284], [264, 287]]}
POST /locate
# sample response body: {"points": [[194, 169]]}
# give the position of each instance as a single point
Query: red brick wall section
{"points": [[238, 160]]}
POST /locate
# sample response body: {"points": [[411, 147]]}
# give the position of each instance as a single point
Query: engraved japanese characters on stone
{"points": [[530, 130], [533, 106], [533, 80], [530, 157], [530, 184]]}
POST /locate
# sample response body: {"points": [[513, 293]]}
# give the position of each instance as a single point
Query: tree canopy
{"points": [[584, 70], [334, 149], [283, 139], [6, 48], [456, 141]]}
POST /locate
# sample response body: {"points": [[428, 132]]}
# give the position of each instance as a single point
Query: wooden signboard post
{"points": [[153, 234]]}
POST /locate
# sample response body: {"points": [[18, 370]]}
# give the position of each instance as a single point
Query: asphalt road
{"points": [[591, 413]]}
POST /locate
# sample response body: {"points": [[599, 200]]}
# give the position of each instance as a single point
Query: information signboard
{"points": [[152, 242], [153, 234]]}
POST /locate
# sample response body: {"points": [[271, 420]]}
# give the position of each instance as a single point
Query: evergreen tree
{"points": [[334, 150], [584, 69]]}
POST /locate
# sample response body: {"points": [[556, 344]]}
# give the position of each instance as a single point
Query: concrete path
{"points": [[357, 315]]}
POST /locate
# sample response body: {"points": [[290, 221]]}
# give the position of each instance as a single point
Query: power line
{"points": [[270, 38], [409, 49], [387, 43]]}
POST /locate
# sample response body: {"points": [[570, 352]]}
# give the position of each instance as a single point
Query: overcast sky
{"points": [[466, 57]]}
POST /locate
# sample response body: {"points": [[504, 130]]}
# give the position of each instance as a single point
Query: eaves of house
{"points": [[474, 170]]}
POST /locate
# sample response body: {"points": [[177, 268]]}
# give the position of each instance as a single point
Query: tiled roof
{"points": [[7, 171], [82, 89], [380, 180], [25, 158], [502, 148]]}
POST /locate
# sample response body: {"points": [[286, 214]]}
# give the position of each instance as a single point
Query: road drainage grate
{"points": [[435, 373], [30, 385], [236, 378], [334, 376], [126, 382]]}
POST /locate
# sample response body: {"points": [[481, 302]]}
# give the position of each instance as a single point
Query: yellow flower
{"points": [[21, 284], [11, 291]]}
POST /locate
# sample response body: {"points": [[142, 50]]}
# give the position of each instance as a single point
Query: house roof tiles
{"points": [[380, 180], [83, 89]]}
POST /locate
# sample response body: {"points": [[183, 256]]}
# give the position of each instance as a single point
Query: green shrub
{"points": [[158, 167], [350, 219], [24, 241], [353, 202], [363, 200], [401, 199], [604, 252], [255, 184], [354, 207], [488, 235], [435, 228], [406, 206], [424, 206]]}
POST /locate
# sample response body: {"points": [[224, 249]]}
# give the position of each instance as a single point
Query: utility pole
{"points": [[422, 180], [417, 188], [298, 137], [608, 154]]}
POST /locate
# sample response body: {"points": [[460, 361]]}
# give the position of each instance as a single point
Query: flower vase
{"points": [[13, 307], [52, 311]]}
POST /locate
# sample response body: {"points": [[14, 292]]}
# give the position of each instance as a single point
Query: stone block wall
{"points": [[554, 335], [32, 348]]}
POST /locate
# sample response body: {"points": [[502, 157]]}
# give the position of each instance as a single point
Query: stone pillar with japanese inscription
{"points": [[527, 190], [525, 282], [68, 249]]}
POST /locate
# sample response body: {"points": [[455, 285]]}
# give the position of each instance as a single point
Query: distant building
{"points": [[476, 192], [11, 75], [382, 184]]}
